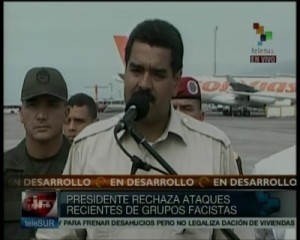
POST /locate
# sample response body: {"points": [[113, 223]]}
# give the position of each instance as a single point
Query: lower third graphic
{"points": [[39, 209]]}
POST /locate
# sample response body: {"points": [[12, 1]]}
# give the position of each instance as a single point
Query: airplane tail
{"points": [[230, 79], [121, 42], [239, 87]]}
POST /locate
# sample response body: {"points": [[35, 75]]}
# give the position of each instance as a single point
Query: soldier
{"points": [[82, 111], [188, 100], [153, 57], [44, 150]]}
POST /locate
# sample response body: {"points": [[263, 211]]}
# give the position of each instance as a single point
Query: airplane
{"points": [[239, 95], [249, 92], [277, 91], [121, 41]]}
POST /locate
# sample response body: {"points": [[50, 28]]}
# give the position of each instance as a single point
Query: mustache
{"points": [[147, 94]]}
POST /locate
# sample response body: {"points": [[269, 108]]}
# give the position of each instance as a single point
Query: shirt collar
{"points": [[174, 127]]}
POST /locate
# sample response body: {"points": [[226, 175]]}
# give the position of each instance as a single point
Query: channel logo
{"points": [[261, 54], [39, 209], [263, 35]]}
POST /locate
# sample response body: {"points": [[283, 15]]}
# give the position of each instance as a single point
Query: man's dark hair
{"points": [[158, 33], [82, 99]]}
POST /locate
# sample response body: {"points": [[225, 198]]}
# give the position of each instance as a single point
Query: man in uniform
{"points": [[153, 57], [82, 111], [44, 150], [188, 100]]}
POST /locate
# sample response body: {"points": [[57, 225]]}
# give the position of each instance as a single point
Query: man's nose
{"points": [[72, 125], [145, 82], [42, 113]]}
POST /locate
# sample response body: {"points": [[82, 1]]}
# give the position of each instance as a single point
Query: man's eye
{"points": [[187, 108], [136, 70], [53, 104], [160, 75]]}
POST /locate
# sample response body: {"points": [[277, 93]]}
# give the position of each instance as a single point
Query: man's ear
{"points": [[67, 110]]}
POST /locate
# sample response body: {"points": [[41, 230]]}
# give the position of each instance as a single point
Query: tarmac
{"points": [[253, 138]]}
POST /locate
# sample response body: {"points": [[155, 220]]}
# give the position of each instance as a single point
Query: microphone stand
{"points": [[229, 234], [141, 140], [137, 163]]}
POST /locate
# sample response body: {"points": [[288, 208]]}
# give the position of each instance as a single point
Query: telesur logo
{"points": [[266, 55], [263, 35]]}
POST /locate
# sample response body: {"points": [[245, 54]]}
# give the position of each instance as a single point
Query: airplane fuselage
{"points": [[217, 90]]}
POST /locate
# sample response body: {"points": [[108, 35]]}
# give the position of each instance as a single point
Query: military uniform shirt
{"points": [[17, 163]]}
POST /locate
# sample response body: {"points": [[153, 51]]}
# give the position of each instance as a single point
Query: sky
{"points": [[77, 39]]}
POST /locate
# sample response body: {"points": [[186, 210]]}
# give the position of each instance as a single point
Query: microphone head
{"points": [[140, 100]]}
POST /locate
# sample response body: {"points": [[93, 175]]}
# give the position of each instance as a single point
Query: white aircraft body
{"points": [[248, 91]]}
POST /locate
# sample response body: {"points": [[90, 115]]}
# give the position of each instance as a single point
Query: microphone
{"points": [[136, 109]]}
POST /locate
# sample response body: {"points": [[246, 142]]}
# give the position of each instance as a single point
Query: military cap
{"points": [[44, 80], [188, 88]]}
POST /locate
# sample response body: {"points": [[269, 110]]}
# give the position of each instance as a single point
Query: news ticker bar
{"points": [[48, 207], [176, 203], [71, 223], [155, 181], [159, 203]]}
